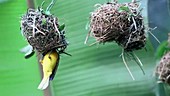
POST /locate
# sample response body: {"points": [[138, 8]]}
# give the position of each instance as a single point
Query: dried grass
{"points": [[42, 31], [122, 23], [163, 69]]}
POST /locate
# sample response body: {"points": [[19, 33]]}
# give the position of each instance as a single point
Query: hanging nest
{"points": [[163, 69], [42, 31], [122, 23]]}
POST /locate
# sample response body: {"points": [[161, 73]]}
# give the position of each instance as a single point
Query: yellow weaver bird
{"points": [[50, 64]]}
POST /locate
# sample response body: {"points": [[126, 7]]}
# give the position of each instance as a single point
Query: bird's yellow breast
{"points": [[49, 62]]}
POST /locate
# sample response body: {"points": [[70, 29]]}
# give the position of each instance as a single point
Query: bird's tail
{"points": [[44, 83]]}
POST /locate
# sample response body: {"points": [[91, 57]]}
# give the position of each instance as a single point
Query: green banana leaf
{"points": [[18, 76], [97, 70], [158, 10]]}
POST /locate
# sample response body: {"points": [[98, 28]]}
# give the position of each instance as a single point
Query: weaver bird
{"points": [[50, 64]]}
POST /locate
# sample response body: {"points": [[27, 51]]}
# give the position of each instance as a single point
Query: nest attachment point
{"points": [[122, 23], [163, 69], [42, 31]]}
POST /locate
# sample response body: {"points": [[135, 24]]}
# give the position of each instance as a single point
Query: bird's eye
{"points": [[49, 57]]}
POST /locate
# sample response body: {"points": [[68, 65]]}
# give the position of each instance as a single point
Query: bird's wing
{"points": [[55, 68]]}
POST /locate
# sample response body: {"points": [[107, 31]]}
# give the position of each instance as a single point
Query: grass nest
{"points": [[42, 31], [163, 69], [122, 23]]}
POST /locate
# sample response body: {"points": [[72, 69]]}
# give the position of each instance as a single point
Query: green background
{"points": [[91, 70], [18, 76]]}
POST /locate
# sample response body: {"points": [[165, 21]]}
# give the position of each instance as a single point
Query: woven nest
{"points": [[42, 31], [163, 69], [122, 23]]}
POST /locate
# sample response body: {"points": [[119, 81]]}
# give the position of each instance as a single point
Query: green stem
{"points": [[42, 3], [50, 5], [160, 90]]}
